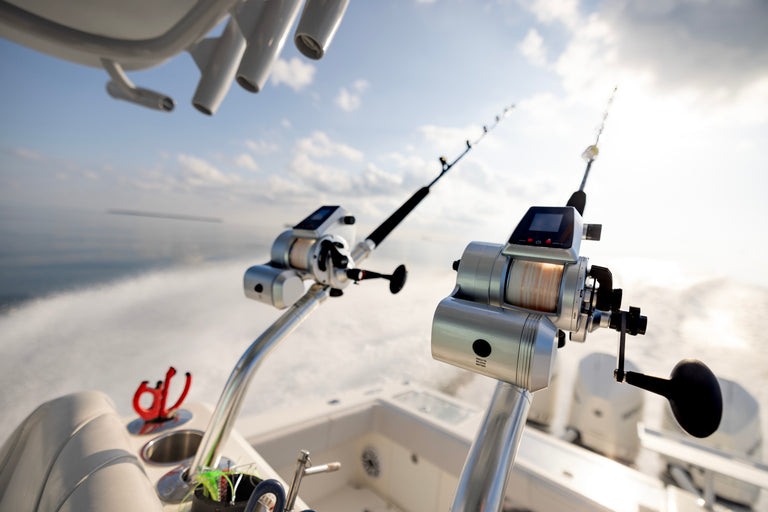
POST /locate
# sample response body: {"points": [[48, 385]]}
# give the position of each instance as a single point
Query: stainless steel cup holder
{"points": [[172, 448]]}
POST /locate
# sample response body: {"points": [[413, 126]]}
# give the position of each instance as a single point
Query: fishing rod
{"points": [[579, 198], [592, 151], [510, 310], [319, 250], [388, 225]]}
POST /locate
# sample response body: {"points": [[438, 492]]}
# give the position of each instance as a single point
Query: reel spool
{"points": [[534, 285]]}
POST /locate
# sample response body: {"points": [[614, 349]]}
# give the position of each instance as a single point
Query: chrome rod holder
{"points": [[223, 418], [486, 471]]}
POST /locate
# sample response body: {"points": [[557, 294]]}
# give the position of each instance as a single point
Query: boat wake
{"points": [[112, 337]]}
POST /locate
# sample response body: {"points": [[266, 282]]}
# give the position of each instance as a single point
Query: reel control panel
{"points": [[322, 220], [551, 233]]}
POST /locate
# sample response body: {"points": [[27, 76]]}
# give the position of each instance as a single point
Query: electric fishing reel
{"points": [[513, 304], [320, 249]]}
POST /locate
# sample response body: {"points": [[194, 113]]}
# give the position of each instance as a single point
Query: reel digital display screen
{"points": [[546, 226], [315, 220], [547, 233], [546, 222]]}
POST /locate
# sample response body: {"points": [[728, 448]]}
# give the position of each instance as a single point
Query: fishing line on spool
{"points": [[534, 285]]}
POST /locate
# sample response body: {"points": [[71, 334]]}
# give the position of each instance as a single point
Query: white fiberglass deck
{"points": [[420, 439]]}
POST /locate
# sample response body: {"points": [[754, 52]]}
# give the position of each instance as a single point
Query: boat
{"points": [[395, 447], [400, 448]]}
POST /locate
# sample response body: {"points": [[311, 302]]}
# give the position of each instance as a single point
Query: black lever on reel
{"points": [[331, 250], [396, 279], [692, 389]]}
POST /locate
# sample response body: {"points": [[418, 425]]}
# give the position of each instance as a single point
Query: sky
{"points": [[678, 186], [679, 178]]}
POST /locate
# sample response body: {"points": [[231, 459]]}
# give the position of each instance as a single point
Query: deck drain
{"points": [[371, 462]]}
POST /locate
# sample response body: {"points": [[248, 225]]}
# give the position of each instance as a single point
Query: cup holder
{"points": [[172, 448]]}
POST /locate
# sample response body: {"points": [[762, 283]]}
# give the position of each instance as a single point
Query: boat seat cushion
{"points": [[73, 454]]}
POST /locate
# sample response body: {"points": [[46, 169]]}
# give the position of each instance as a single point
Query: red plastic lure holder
{"points": [[157, 411]]}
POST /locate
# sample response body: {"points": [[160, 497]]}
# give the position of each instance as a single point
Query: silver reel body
{"points": [[318, 249], [510, 301]]}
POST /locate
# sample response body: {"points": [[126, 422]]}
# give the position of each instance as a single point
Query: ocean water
{"points": [[150, 297], [50, 250]]}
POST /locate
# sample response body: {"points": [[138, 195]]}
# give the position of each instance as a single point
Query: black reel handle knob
{"points": [[693, 393], [397, 279]]}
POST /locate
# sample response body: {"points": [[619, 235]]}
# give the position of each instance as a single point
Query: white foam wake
{"points": [[114, 336]]}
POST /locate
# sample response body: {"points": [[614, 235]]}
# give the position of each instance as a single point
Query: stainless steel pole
{"points": [[228, 408], [486, 471]]}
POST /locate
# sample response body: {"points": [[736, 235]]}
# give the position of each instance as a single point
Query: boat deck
{"points": [[420, 439]]}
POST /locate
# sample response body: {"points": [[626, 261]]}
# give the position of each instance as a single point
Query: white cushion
{"points": [[73, 453]]}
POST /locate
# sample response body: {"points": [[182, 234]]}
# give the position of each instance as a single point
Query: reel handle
{"points": [[692, 389], [693, 393], [396, 279]]}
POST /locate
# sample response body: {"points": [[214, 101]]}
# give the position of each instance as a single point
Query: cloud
{"points": [[323, 165], [371, 181], [319, 145], [532, 48], [262, 147], [350, 99], [376, 181], [294, 73], [713, 48], [591, 56], [319, 176], [347, 101], [450, 139], [247, 162], [323, 176], [197, 172], [693, 43], [548, 11], [413, 169], [26, 153], [278, 187]]}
